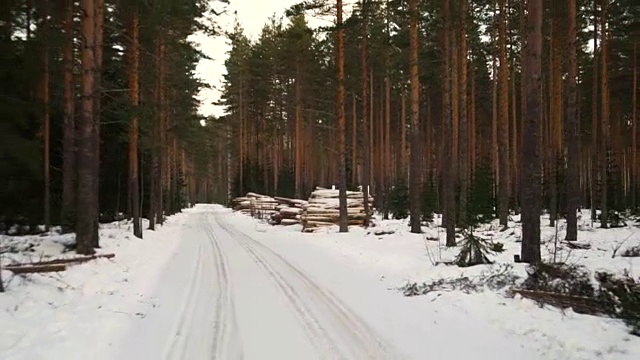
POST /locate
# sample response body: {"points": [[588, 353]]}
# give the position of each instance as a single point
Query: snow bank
{"points": [[74, 314], [389, 256]]}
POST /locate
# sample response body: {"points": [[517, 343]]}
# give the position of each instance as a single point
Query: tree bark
{"points": [[503, 120], [604, 140], [415, 172], [86, 211], [572, 130], [46, 118], [635, 177], [69, 127], [99, 34], [161, 134], [447, 170], [342, 171], [298, 132], [365, 114], [531, 191], [595, 128], [133, 51], [464, 121]]}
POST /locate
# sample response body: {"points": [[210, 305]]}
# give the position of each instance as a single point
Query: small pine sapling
{"points": [[399, 201]]}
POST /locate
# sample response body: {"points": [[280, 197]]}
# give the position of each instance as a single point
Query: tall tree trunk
{"points": [[298, 133], [503, 120], [523, 90], [69, 127], [595, 127], [635, 174], [604, 141], [162, 134], [342, 153], [155, 185], [99, 34], [354, 139], [447, 170], [46, 118], [555, 114], [572, 130], [365, 114], [531, 190], [87, 208], [464, 121], [415, 171], [133, 51]]}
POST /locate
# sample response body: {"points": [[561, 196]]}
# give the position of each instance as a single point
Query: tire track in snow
{"points": [[226, 340], [206, 326], [364, 344], [179, 344], [315, 332]]}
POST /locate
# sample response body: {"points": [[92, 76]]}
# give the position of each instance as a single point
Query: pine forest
{"points": [[466, 108]]}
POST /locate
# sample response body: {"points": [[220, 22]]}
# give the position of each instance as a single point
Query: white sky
{"points": [[252, 15]]}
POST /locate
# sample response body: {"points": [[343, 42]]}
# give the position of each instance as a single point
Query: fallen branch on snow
{"points": [[33, 269], [78, 259]]}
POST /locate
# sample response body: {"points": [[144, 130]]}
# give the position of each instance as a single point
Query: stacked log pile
{"points": [[278, 210], [323, 209], [255, 205]]}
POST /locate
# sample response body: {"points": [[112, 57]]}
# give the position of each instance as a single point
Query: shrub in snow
{"points": [[571, 286], [632, 252], [495, 278], [399, 201], [429, 200], [620, 296], [481, 207], [474, 250]]}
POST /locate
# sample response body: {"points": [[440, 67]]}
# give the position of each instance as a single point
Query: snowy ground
{"points": [[214, 284]]}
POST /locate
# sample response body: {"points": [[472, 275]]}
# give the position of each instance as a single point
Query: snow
{"points": [[215, 284], [501, 326], [74, 314]]}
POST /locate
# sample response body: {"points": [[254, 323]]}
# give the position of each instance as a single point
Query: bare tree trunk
{"points": [[464, 121], [572, 130], [523, 91], [604, 141], [595, 128], [415, 171], [133, 52], [46, 120], [555, 115], [68, 142], [86, 211], [298, 133], [365, 115], [531, 190], [447, 170], [342, 171], [635, 175], [99, 34], [503, 120], [161, 134]]}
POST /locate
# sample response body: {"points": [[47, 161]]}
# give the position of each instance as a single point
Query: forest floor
{"points": [[212, 283]]}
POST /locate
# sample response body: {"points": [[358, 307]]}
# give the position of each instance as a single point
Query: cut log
{"points": [[36, 268], [254, 195], [290, 212], [77, 259], [288, 222]]}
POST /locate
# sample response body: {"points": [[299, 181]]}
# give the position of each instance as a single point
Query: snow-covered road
{"points": [[213, 284], [227, 296]]}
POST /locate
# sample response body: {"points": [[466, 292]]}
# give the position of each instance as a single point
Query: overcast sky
{"points": [[253, 15]]}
